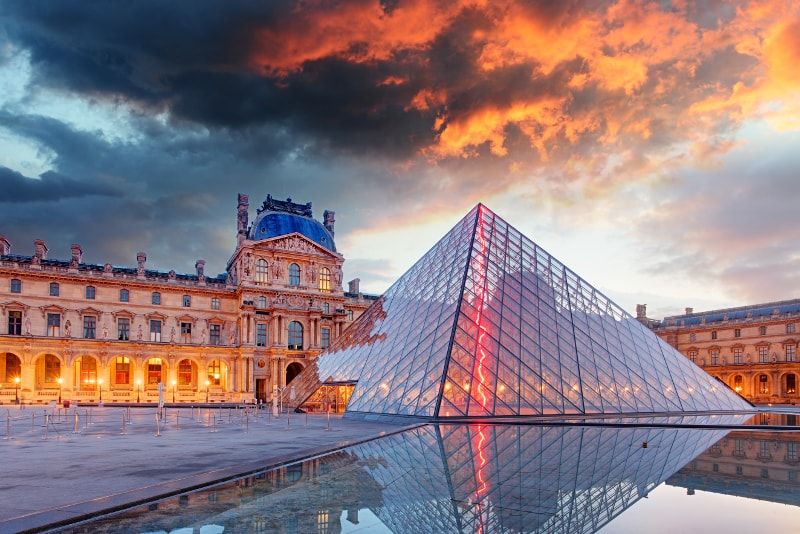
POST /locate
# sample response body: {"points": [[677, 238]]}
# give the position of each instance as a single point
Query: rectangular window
{"points": [[155, 298], [186, 332], [15, 323], [55, 290], [261, 334], [90, 292], [791, 450], [790, 328], [737, 356], [693, 356], [739, 470], [154, 372], [326, 308], [185, 373], [325, 337], [737, 332], [738, 447], [155, 330], [16, 285], [122, 370], [791, 353], [349, 315], [124, 295], [763, 354], [692, 338], [123, 329], [54, 324], [214, 303], [214, 334], [90, 327], [713, 334], [714, 357], [187, 301], [762, 330], [763, 385]]}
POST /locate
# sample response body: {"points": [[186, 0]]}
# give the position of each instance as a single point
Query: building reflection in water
{"points": [[482, 478]]}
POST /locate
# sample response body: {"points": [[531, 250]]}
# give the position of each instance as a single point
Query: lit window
{"points": [[262, 275], [295, 335], [52, 369], [123, 329], [324, 279], [215, 373], [124, 295], [325, 337], [737, 332], [738, 381], [54, 289], [16, 285], [214, 303], [763, 354], [87, 367], [214, 334], [54, 324], [187, 301], [15, 323], [713, 334], [122, 370], [294, 275], [791, 383], [262, 302], [154, 371], [261, 335], [186, 332], [762, 330], [90, 327], [790, 328], [791, 353], [326, 308], [155, 330], [737, 356], [185, 373], [155, 298], [763, 385], [90, 292]]}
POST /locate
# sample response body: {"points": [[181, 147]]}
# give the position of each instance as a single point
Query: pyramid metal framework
{"points": [[489, 324]]}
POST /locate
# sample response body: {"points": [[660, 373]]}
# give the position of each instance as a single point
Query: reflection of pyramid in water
{"points": [[488, 324]]}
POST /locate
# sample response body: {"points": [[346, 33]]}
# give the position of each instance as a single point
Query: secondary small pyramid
{"points": [[489, 324]]}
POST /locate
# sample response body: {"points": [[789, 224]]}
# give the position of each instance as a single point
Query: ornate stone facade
{"points": [[79, 331], [753, 349]]}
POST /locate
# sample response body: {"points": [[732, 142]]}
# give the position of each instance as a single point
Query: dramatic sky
{"points": [[654, 147]]}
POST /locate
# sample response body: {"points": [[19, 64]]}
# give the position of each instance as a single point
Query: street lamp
{"points": [[100, 385], [60, 382], [174, 382], [16, 389], [207, 384], [138, 389]]}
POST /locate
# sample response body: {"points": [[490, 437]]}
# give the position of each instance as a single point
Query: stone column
{"points": [[235, 374], [282, 372], [273, 379]]}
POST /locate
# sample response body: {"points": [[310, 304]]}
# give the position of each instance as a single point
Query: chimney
{"points": [[200, 267], [39, 250], [5, 246], [141, 257], [328, 220], [689, 311], [354, 285], [77, 254], [641, 311], [241, 218]]}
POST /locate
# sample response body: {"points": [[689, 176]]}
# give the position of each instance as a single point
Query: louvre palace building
{"points": [[90, 333]]}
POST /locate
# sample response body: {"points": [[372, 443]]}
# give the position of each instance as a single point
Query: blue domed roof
{"points": [[269, 224]]}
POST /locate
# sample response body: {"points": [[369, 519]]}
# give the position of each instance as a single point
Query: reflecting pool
{"points": [[505, 478]]}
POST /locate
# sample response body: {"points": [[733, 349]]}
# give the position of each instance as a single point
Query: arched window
{"points": [[295, 335], [294, 275], [124, 295], [261, 271], [13, 368], [90, 292], [324, 279], [54, 289], [122, 370], [738, 382]]}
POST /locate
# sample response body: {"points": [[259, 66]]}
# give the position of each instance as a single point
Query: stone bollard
{"points": [[329, 419], [246, 422], [46, 425], [75, 428], [8, 424], [158, 425], [123, 423], [33, 420]]}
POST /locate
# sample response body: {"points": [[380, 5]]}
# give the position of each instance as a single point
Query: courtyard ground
{"points": [[60, 467]]}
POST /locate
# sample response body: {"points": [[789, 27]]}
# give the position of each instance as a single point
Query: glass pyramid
{"points": [[489, 324]]}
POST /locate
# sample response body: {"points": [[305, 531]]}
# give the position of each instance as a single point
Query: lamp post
{"points": [[16, 390], [138, 389], [207, 384], [60, 383], [174, 383], [100, 385]]}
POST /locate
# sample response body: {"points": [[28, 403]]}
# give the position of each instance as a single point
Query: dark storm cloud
{"points": [[50, 186]]}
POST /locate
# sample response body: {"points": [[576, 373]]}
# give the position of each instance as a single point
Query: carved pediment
{"points": [[14, 305], [89, 311], [296, 243]]}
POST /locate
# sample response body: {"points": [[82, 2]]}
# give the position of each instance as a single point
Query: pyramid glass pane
{"points": [[488, 324]]}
